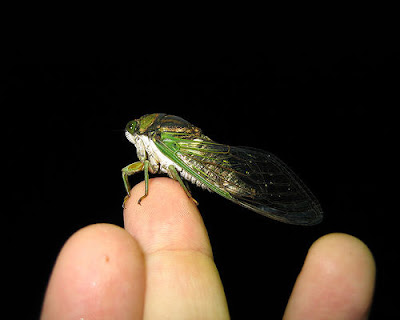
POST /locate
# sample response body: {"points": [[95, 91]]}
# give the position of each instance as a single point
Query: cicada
{"points": [[252, 178]]}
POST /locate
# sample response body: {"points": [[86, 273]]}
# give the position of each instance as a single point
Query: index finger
{"points": [[182, 280], [166, 219]]}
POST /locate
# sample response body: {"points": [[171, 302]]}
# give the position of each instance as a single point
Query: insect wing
{"points": [[253, 178], [276, 191]]}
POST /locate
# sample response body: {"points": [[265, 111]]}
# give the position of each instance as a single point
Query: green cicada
{"points": [[253, 178]]}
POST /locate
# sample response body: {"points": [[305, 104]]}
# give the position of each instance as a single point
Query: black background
{"points": [[325, 111]]}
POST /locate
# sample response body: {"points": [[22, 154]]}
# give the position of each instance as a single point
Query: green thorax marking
{"points": [[147, 121], [161, 122]]}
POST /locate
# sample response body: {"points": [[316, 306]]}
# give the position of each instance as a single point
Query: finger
{"points": [[336, 282], [99, 274], [182, 281]]}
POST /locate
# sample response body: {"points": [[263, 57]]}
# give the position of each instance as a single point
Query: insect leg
{"points": [[146, 180], [128, 171], [175, 176]]}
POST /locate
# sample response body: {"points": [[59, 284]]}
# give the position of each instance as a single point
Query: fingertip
{"points": [[349, 250], [98, 267], [164, 193], [336, 281], [166, 219]]}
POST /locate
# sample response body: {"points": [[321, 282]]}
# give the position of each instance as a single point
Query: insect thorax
{"points": [[159, 162]]}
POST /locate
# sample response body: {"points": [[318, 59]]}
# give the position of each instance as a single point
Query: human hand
{"points": [[161, 266]]}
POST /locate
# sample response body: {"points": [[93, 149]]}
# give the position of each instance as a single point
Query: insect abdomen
{"points": [[187, 176]]}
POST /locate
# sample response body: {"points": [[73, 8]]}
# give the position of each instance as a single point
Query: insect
{"points": [[252, 178]]}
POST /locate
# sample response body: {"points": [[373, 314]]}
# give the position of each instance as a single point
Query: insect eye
{"points": [[131, 126]]}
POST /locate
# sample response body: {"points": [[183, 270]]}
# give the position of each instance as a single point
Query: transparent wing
{"points": [[253, 178]]}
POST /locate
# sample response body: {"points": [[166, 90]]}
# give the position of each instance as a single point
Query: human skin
{"points": [[160, 266]]}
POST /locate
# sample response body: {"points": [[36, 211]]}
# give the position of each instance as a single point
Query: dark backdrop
{"points": [[326, 112]]}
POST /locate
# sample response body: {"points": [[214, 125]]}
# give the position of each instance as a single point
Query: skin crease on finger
{"points": [[336, 282]]}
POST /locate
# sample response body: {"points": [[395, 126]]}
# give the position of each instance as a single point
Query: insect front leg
{"points": [[175, 176], [130, 170], [146, 180]]}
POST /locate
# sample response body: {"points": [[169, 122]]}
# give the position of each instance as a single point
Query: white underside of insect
{"points": [[147, 150]]}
